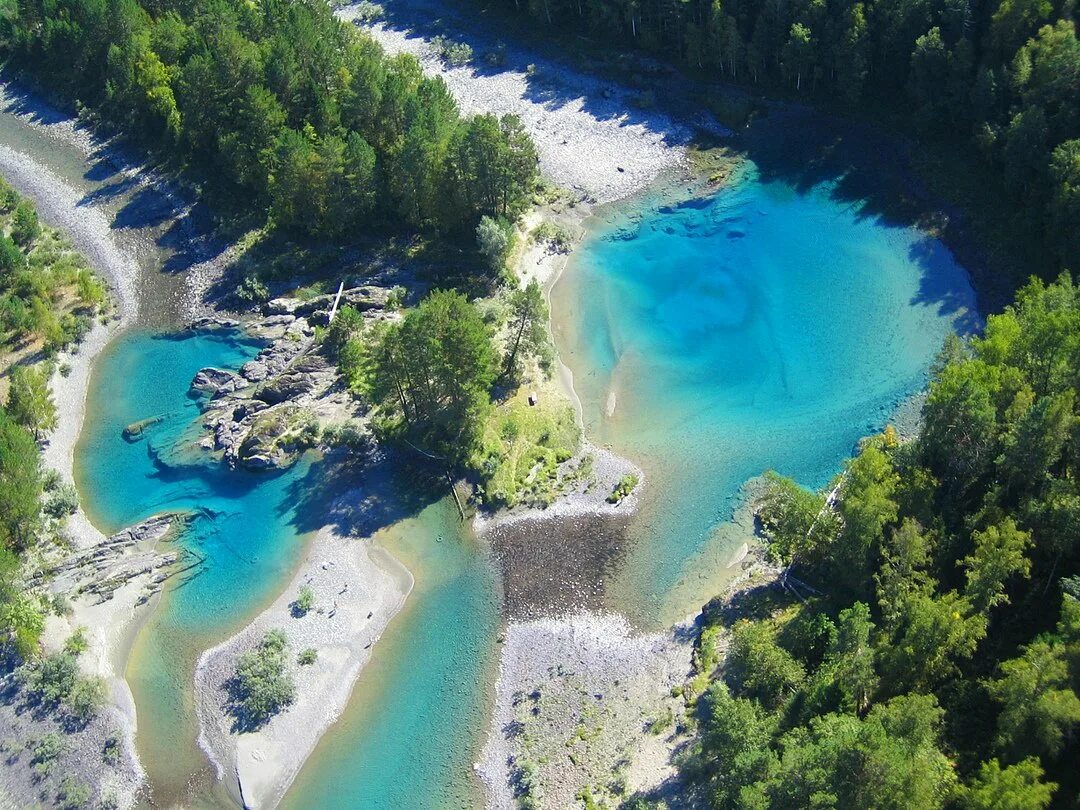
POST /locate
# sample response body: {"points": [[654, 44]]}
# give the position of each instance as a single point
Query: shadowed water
{"points": [[420, 711], [757, 328], [710, 339]]}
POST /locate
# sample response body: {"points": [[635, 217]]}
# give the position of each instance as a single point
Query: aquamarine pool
{"points": [[756, 328]]}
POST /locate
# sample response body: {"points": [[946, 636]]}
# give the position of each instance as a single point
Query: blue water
{"points": [[757, 328], [244, 525], [428, 682], [710, 339], [420, 710]]}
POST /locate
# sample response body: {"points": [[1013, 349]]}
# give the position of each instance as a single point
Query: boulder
{"points": [[285, 387], [283, 306], [215, 381], [255, 371]]}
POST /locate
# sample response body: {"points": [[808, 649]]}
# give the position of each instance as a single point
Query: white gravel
{"points": [[573, 699], [589, 134]]}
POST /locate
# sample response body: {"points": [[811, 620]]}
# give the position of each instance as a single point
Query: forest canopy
{"points": [[1000, 75], [282, 103], [932, 658]]}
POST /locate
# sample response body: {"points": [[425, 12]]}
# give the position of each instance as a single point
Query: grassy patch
{"points": [[623, 488], [521, 449]]}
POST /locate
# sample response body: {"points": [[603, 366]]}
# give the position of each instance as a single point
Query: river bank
{"points": [[357, 589], [111, 623]]}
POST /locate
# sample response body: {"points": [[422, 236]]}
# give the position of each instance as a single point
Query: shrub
{"points": [[307, 657], [366, 12], [452, 53], [86, 700], [396, 299], [46, 751], [626, 485], [72, 794], [114, 746], [76, 643], [556, 236], [494, 238], [261, 688], [62, 501], [52, 679], [252, 290], [305, 601], [25, 227]]}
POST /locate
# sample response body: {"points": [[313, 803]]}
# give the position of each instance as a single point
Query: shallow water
{"points": [[428, 678], [710, 339], [421, 707], [757, 328], [244, 526]]}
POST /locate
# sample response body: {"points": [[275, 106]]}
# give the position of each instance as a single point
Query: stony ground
{"points": [[584, 705], [598, 139]]}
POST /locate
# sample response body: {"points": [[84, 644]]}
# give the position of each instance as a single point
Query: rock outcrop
{"points": [[216, 381], [264, 417]]}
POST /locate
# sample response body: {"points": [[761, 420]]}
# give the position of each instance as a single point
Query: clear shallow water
{"points": [[421, 707], [757, 328], [244, 526], [419, 713]]}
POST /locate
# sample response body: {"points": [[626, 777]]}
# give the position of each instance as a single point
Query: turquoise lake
{"points": [[428, 682], [756, 328], [710, 339]]}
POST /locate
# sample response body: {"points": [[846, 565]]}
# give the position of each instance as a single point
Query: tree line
{"points": [[932, 658], [434, 373], [280, 103], [1002, 75]]}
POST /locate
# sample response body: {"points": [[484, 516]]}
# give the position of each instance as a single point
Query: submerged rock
{"points": [[135, 430]]}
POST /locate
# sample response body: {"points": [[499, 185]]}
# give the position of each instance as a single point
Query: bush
{"points": [[452, 53], [251, 290], [366, 12], [86, 700], [114, 746], [494, 239], [626, 485], [261, 688], [45, 753], [305, 601], [556, 236], [307, 657], [25, 227], [76, 643], [62, 501], [72, 794], [51, 680]]}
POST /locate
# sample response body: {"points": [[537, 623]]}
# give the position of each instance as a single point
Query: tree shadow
{"points": [[359, 495], [551, 80]]}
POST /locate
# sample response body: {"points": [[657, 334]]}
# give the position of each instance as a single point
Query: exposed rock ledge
{"points": [[265, 416], [111, 586]]}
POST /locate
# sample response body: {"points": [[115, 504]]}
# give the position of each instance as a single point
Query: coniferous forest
{"points": [[281, 103], [1001, 77]]}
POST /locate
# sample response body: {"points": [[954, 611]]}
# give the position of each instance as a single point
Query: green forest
{"points": [[926, 650], [999, 76], [280, 103]]}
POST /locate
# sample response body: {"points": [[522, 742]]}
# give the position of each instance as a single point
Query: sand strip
{"points": [[358, 589]]}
